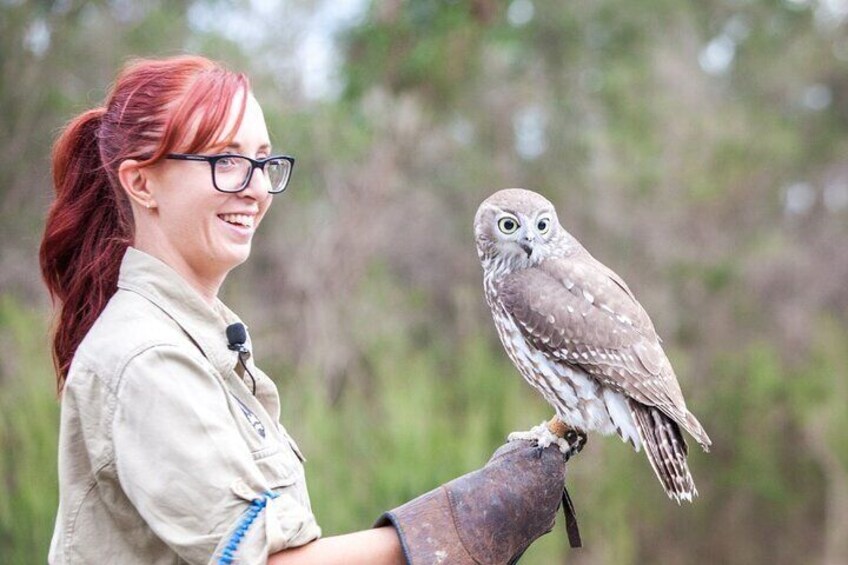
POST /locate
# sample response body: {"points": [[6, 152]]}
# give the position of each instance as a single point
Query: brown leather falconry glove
{"points": [[488, 516]]}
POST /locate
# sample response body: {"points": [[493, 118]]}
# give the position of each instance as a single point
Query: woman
{"points": [[170, 446]]}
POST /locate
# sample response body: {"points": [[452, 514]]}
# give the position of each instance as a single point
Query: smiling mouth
{"points": [[240, 220]]}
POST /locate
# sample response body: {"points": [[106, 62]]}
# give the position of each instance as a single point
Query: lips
{"points": [[243, 220]]}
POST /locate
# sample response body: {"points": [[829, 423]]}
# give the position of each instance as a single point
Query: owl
{"points": [[578, 335]]}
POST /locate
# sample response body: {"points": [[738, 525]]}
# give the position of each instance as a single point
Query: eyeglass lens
{"points": [[232, 174]]}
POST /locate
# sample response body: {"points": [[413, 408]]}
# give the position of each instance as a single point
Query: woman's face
{"points": [[201, 232]]}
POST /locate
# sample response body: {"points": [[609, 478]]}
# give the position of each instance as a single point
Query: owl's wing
{"points": [[577, 311]]}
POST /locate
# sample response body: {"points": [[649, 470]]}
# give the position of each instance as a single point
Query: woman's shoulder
{"points": [[128, 326]]}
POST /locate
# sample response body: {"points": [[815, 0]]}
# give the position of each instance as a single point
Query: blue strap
{"points": [[257, 505]]}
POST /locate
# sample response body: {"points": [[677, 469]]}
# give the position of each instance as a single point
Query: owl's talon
{"points": [[541, 435], [576, 442]]}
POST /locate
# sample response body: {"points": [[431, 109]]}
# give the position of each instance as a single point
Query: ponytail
{"points": [[89, 227]]}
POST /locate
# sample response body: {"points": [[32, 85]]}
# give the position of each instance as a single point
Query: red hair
{"points": [[154, 108]]}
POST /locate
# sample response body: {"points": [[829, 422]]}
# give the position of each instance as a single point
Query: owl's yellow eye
{"points": [[508, 225], [543, 225]]}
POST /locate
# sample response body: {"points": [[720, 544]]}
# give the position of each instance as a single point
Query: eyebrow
{"points": [[237, 146]]}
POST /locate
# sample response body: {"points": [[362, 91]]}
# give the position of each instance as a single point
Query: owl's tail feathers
{"points": [[666, 450]]}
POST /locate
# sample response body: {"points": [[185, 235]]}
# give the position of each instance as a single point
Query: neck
{"points": [[205, 284]]}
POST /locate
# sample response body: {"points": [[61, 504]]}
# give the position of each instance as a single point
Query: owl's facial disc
{"points": [[520, 229]]}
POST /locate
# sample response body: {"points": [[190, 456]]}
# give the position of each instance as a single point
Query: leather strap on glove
{"points": [[490, 515]]}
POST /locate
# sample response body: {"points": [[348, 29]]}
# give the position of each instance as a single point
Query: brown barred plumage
{"points": [[577, 334]]}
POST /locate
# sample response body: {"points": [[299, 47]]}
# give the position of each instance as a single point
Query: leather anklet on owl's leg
{"points": [[575, 438], [576, 441]]}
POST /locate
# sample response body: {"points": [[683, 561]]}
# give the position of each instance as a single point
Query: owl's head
{"points": [[519, 227]]}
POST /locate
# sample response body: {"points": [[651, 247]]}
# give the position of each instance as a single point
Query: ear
{"points": [[134, 181]]}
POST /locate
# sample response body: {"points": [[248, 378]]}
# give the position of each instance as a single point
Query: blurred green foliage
{"points": [[29, 420], [697, 148]]}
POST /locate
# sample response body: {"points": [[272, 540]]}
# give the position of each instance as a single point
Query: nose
{"points": [[258, 185]]}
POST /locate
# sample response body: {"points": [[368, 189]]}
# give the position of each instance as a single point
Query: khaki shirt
{"points": [[162, 446]]}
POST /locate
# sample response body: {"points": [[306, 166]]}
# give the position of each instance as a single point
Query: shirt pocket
{"points": [[279, 465]]}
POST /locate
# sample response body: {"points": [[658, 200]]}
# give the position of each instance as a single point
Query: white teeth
{"points": [[240, 219]]}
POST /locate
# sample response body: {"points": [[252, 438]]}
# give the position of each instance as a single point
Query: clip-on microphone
{"points": [[236, 338]]}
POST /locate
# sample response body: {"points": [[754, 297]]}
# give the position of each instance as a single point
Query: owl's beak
{"points": [[528, 249]]}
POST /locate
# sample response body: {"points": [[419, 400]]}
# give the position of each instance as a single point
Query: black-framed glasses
{"points": [[232, 173]]}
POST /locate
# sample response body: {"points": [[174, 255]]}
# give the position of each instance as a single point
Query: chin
{"points": [[235, 257]]}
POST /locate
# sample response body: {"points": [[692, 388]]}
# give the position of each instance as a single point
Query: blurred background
{"points": [[699, 148]]}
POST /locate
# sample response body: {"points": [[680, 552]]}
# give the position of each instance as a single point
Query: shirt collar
{"points": [[205, 324]]}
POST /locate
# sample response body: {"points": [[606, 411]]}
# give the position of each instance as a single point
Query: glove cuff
{"points": [[427, 531]]}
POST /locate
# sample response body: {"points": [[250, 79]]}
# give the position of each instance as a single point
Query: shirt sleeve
{"points": [[185, 467]]}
